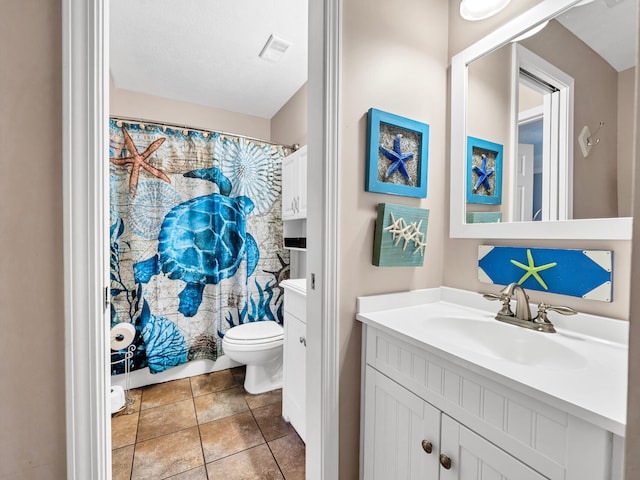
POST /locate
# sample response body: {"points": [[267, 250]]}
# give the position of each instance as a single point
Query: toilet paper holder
{"points": [[128, 355]]}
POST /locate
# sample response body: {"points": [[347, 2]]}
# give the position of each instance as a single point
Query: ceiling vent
{"points": [[274, 48]]}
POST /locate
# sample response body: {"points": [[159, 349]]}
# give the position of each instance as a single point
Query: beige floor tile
{"points": [[262, 399], [123, 430], [257, 463], [135, 395], [229, 435], [158, 421], [212, 382], [121, 460], [163, 393], [220, 404], [289, 453], [271, 423], [168, 455], [199, 473]]}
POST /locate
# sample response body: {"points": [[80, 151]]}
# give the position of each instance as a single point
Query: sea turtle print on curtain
{"points": [[195, 247]]}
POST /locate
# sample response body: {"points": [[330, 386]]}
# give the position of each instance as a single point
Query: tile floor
{"points": [[205, 427]]}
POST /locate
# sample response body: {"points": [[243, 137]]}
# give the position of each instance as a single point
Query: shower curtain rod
{"points": [[293, 147]]}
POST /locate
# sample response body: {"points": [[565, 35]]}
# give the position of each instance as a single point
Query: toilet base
{"points": [[261, 379]]}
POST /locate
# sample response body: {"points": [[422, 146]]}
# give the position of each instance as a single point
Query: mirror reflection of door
{"points": [[544, 121], [523, 208], [529, 160]]}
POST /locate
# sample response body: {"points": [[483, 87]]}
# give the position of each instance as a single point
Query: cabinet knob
{"points": [[427, 446], [303, 341], [445, 461]]}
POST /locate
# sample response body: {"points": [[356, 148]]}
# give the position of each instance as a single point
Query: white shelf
{"points": [[295, 248]]}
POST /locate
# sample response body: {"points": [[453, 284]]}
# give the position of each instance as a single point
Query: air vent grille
{"points": [[274, 48]]}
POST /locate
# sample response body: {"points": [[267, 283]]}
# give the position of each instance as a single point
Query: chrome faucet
{"points": [[522, 317], [523, 312]]}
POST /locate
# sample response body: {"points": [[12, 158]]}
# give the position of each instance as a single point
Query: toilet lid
{"points": [[255, 332]]}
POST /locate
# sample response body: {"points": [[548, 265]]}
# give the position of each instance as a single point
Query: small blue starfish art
{"points": [[397, 158], [483, 175]]}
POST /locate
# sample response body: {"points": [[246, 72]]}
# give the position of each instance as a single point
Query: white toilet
{"points": [[258, 345]]}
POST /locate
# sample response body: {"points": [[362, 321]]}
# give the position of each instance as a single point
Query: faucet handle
{"points": [[543, 308], [494, 296], [505, 298]]}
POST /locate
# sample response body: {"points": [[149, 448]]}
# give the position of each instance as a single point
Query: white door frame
{"points": [[85, 196]]}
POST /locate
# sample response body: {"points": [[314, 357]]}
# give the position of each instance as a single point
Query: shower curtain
{"points": [[196, 239]]}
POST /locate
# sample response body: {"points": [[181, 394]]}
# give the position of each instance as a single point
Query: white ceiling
{"points": [[608, 27], [206, 51]]}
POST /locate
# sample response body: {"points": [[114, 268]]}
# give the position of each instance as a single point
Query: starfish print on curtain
{"points": [[138, 160]]}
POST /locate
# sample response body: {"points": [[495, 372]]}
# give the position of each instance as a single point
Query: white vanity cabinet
{"points": [[294, 185], [402, 431], [411, 439], [295, 355], [421, 411]]}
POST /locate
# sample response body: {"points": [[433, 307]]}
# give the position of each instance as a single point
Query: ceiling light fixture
{"points": [[274, 48], [481, 9]]}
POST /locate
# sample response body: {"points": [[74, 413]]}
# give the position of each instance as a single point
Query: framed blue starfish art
{"points": [[397, 155], [484, 171]]}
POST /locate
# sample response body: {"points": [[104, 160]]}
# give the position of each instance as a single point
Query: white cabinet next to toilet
{"points": [[294, 185], [295, 355]]}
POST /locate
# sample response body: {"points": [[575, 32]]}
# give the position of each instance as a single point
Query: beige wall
{"points": [[149, 107], [289, 125], [394, 59], [626, 101], [32, 394]]}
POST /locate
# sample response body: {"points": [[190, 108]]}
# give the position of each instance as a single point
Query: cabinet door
{"points": [[302, 179], [396, 423], [294, 384], [475, 458], [289, 186]]}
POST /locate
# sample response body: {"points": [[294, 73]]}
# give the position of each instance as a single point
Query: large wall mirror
{"points": [[542, 116]]}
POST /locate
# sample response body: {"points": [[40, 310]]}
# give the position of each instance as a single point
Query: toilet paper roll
{"points": [[117, 398], [122, 335]]}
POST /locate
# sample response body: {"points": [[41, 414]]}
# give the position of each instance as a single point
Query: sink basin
{"points": [[506, 342]]}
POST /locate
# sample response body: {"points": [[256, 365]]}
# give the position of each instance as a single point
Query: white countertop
{"points": [[592, 383]]}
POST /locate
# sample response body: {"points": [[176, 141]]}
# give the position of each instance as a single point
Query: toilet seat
{"points": [[255, 333]]}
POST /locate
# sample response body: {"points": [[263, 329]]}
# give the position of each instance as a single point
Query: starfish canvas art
{"points": [[484, 171], [400, 237], [397, 155], [586, 274]]}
